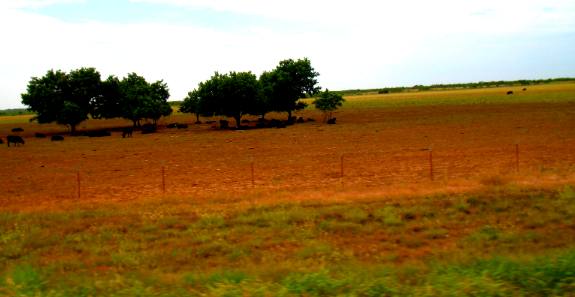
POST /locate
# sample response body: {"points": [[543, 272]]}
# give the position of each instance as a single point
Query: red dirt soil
{"points": [[385, 151]]}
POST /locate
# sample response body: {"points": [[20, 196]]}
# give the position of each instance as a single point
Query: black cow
{"points": [[300, 120], [127, 132], [98, 133], [57, 138], [39, 135], [172, 125], [17, 129], [509, 92], [16, 140], [331, 121], [224, 124], [1, 141], [524, 89], [148, 128], [182, 126]]}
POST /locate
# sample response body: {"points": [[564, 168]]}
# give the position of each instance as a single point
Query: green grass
{"points": [[553, 93], [505, 241]]}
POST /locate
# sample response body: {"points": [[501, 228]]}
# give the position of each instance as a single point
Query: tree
{"points": [[233, 95], [108, 104], [63, 98], [191, 104], [287, 83], [156, 104], [133, 91], [328, 102]]}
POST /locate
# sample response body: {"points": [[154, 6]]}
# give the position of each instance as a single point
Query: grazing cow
{"points": [[182, 126], [17, 129], [57, 138], [509, 92], [524, 89], [39, 135], [331, 121], [198, 122], [98, 133], [246, 121], [172, 125], [16, 140], [1, 141], [210, 122], [224, 124], [127, 132], [148, 128], [300, 120]]}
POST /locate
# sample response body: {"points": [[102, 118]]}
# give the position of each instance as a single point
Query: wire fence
{"points": [[282, 171]]}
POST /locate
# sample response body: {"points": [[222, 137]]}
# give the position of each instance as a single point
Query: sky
{"points": [[356, 44]]}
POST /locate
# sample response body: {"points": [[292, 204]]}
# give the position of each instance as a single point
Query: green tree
{"points": [[191, 104], [108, 104], [328, 102], [156, 104], [287, 83], [63, 98], [233, 95]]}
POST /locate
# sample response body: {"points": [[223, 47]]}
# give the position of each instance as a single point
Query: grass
{"points": [[500, 242]]}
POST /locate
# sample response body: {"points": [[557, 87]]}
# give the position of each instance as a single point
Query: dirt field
{"points": [[385, 150]]}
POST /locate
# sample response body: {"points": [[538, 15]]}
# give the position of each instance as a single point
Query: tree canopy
{"points": [[63, 98], [238, 93], [328, 102], [232, 95], [287, 83], [69, 99]]}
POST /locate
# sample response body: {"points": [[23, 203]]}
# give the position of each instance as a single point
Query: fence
{"points": [[283, 172]]}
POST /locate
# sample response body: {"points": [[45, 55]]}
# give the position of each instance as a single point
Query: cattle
{"points": [[509, 92], [331, 121], [197, 122], [210, 122], [224, 124], [39, 135], [127, 132], [182, 126], [524, 89], [300, 120], [148, 128], [1, 141], [246, 121], [172, 125], [57, 138], [16, 140], [17, 129], [98, 133], [310, 119]]}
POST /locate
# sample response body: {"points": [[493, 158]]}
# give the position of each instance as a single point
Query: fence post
{"points": [[78, 183], [431, 163]]}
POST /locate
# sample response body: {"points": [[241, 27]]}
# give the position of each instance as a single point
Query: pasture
{"points": [[462, 192]]}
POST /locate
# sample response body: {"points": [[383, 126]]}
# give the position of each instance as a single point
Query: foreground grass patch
{"points": [[502, 242]]}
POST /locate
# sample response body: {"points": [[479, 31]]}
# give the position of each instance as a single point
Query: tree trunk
{"points": [[135, 124], [238, 119], [197, 117], [72, 129], [289, 115]]}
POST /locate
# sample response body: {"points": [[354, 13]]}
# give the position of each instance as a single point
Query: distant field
{"points": [[453, 193]]}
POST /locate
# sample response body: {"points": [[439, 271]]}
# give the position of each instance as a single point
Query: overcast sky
{"points": [[352, 44]]}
